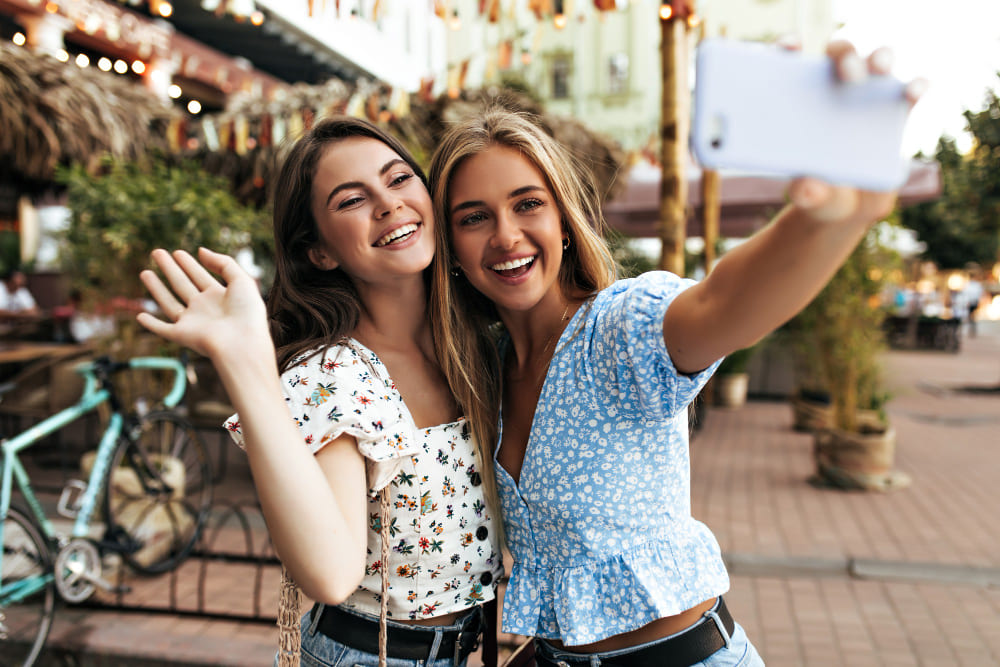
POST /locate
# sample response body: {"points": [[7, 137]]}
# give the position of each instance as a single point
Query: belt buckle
{"points": [[458, 647]]}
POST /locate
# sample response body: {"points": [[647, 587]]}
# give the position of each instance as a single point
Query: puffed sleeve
{"points": [[347, 391], [628, 329]]}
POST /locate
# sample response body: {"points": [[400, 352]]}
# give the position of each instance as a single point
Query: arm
{"points": [[314, 505], [762, 283]]}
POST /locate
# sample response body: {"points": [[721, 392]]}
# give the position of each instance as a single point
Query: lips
{"points": [[397, 235], [513, 267]]}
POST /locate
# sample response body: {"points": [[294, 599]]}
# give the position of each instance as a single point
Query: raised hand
{"points": [[825, 202], [225, 321]]}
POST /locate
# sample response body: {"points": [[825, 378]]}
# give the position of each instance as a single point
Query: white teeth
{"points": [[512, 264], [395, 234]]}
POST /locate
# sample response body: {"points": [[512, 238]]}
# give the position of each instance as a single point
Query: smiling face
{"points": [[373, 214], [506, 229]]}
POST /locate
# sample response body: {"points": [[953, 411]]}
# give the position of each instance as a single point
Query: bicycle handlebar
{"points": [[105, 366]]}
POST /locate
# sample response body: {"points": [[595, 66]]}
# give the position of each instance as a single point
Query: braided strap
{"points": [[289, 635], [383, 511]]}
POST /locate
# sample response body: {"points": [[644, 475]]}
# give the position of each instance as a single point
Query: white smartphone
{"points": [[764, 109]]}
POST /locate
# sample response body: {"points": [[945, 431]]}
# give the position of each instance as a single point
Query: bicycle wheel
{"points": [[159, 493], [27, 602]]}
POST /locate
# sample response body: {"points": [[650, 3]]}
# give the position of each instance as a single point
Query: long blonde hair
{"points": [[464, 320]]}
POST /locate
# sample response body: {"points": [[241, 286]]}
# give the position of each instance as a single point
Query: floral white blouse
{"points": [[444, 552]]}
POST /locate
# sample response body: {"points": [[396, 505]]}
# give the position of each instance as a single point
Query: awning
{"points": [[748, 201]]}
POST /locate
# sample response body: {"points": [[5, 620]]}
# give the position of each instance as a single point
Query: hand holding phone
{"points": [[762, 109]]}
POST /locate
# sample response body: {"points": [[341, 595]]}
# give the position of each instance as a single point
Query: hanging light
{"points": [[257, 18], [456, 22], [666, 10], [165, 9], [174, 91], [560, 16], [19, 39], [194, 106]]}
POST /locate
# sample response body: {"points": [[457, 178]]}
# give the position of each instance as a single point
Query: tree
{"points": [[963, 225]]}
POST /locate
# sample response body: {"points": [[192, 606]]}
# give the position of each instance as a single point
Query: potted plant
{"points": [[124, 210], [731, 379], [840, 343]]}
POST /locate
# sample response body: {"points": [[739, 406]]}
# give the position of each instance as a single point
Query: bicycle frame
{"points": [[94, 394]]}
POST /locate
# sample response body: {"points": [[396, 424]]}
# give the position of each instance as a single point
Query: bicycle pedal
{"points": [[71, 498]]}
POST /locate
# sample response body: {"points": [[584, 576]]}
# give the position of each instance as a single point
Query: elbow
{"points": [[335, 586]]}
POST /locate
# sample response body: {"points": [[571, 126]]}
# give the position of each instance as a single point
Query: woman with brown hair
{"points": [[374, 491]]}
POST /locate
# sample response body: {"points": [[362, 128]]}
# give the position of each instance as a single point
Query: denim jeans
{"points": [[318, 650], [739, 653]]}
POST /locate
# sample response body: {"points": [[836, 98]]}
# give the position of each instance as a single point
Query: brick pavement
{"points": [[820, 577]]}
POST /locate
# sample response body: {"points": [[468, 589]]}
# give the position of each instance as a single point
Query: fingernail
{"points": [[916, 88], [882, 60], [789, 41], [852, 68]]}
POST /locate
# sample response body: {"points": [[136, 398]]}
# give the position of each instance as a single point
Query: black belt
{"points": [[362, 634], [684, 650]]}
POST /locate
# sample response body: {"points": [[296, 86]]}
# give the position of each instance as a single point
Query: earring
{"points": [[565, 243], [454, 271]]}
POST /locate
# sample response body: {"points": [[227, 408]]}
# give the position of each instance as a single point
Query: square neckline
{"points": [[359, 347]]}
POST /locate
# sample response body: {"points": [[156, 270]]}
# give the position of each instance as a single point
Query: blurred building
{"points": [[603, 66]]}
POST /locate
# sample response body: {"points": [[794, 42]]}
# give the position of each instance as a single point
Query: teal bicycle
{"points": [[150, 478]]}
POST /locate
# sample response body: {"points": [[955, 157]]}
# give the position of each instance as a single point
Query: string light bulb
{"points": [[104, 64], [456, 21], [194, 107], [559, 20], [19, 38], [666, 11], [138, 66], [121, 66], [82, 60]]}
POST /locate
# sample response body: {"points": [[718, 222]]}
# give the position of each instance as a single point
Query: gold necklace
{"points": [[559, 328]]}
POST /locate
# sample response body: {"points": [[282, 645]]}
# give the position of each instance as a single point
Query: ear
{"points": [[321, 260]]}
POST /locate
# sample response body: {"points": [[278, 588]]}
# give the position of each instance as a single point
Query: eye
{"points": [[400, 179], [471, 219], [349, 202], [528, 205]]}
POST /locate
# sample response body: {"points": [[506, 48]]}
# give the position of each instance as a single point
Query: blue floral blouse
{"points": [[600, 525]]}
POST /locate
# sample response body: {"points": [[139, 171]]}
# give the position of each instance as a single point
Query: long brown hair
{"points": [[465, 322], [311, 308]]}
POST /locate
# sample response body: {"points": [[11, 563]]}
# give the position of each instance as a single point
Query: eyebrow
{"points": [[358, 184], [513, 193]]}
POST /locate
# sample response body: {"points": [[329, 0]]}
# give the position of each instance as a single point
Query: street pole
{"points": [[710, 214], [674, 122]]}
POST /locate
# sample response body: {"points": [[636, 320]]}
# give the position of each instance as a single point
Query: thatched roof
{"points": [[54, 113]]}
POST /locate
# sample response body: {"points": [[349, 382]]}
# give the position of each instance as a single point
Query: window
{"points": [[618, 74], [560, 77]]}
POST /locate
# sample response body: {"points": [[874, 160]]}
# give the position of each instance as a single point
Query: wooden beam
{"points": [[673, 143]]}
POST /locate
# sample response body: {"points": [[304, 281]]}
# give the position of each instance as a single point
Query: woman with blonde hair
{"points": [[610, 567]]}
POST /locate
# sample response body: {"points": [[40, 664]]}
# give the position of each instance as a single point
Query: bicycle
{"points": [[150, 477]]}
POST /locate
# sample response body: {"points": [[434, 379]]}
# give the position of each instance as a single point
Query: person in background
{"points": [[16, 301]]}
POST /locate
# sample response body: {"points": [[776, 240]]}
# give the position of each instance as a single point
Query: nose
{"points": [[506, 233], [387, 204]]}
